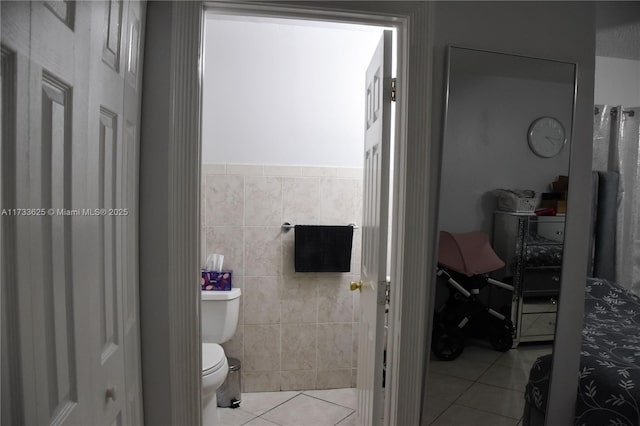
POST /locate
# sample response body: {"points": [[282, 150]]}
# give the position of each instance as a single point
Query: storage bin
{"points": [[516, 201]]}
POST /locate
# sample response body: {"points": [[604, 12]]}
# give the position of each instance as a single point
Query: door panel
{"points": [[52, 138], [57, 285], [74, 275], [10, 363], [375, 234], [112, 25], [108, 285]]}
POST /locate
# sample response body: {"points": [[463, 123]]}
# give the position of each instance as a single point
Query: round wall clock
{"points": [[546, 137]]}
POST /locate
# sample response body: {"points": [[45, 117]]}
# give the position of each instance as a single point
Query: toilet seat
{"points": [[213, 358]]}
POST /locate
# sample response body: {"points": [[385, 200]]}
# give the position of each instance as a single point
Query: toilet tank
{"points": [[219, 315]]}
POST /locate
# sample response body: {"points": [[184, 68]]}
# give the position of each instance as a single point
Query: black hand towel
{"points": [[323, 248]]}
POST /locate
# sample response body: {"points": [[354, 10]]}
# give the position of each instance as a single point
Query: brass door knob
{"points": [[356, 285]]}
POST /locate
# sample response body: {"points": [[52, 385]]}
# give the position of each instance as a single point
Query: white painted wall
{"points": [[282, 93], [486, 147], [617, 81]]}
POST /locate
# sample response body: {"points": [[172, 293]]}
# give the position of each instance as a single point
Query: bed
{"points": [[540, 251], [609, 382], [609, 385]]}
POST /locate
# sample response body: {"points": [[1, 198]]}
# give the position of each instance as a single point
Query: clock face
{"points": [[546, 137]]}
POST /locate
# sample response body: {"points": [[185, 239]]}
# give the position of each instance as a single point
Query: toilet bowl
{"points": [[214, 371], [219, 316]]}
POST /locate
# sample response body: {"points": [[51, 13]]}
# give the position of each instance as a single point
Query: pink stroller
{"points": [[464, 260]]}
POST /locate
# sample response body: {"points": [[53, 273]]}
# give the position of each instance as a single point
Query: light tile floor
{"points": [[480, 388], [307, 408]]}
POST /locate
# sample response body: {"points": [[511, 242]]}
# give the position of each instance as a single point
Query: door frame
{"points": [[415, 188]]}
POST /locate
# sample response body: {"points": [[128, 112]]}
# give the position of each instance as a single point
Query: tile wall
{"points": [[296, 330]]}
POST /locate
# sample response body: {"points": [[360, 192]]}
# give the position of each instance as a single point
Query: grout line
{"points": [[443, 411], [329, 402], [349, 415], [250, 420], [476, 381], [276, 406], [315, 361], [280, 350]]}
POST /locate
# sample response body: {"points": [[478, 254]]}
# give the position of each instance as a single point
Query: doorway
{"points": [[283, 142], [415, 169]]}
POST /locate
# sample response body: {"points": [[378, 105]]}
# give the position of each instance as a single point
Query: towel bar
{"points": [[287, 226]]}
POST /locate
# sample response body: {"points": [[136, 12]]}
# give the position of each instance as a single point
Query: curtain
{"points": [[616, 146]]}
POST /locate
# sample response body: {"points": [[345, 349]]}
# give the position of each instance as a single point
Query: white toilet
{"points": [[219, 317]]}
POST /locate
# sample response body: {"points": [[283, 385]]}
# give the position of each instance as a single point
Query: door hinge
{"points": [[394, 84]]}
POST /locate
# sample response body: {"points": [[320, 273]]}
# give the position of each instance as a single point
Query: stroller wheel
{"points": [[502, 340], [447, 343]]}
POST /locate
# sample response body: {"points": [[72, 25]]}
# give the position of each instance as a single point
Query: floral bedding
{"points": [[609, 386], [542, 252]]}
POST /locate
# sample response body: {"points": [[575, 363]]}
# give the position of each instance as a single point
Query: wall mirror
{"points": [[507, 127]]}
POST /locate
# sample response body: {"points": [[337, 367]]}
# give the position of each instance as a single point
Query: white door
{"points": [[374, 234], [72, 277], [114, 101]]}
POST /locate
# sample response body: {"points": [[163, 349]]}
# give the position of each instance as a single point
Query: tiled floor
{"points": [[480, 388], [308, 408]]}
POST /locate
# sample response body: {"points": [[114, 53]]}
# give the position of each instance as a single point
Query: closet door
{"points": [[114, 105], [69, 270], [47, 45]]}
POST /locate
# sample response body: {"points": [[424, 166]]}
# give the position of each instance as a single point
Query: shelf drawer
{"points": [[542, 324], [540, 305], [541, 282]]}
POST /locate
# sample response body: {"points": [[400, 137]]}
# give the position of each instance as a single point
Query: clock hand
{"points": [[550, 142]]}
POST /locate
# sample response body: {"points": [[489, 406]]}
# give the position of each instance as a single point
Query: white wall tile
{"points": [[298, 299], [298, 343], [334, 346], [310, 171], [298, 380], [282, 171], [262, 201], [263, 251], [296, 330], [334, 379], [235, 347], [228, 241], [260, 381], [214, 169], [339, 204], [261, 300], [335, 303], [350, 173], [224, 200], [301, 200], [245, 169], [261, 348]]}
